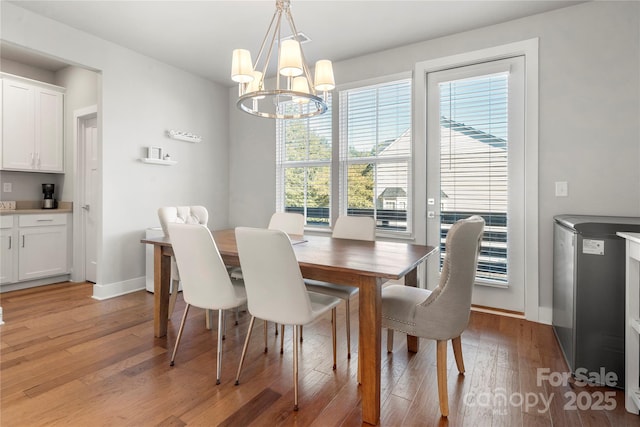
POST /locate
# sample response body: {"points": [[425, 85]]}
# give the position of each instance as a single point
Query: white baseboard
{"points": [[545, 315], [110, 290]]}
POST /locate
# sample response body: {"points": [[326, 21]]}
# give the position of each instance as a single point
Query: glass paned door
{"points": [[475, 167]]}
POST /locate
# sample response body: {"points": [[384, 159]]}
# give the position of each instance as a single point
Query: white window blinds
{"points": [[375, 153], [474, 160], [303, 163]]}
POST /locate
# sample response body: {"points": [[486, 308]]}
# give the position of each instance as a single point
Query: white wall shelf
{"points": [[183, 136], [158, 161]]}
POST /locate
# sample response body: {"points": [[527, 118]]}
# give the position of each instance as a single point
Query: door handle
{"points": [[86, 207]]}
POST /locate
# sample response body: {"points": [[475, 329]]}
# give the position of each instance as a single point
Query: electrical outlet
{"points": [[7, 187]]}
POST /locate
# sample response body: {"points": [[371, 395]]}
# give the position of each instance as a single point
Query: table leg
{"points": [[161, 279], [370, 302], [411, 279]]}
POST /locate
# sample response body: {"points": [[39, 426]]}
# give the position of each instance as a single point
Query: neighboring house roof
{"points": [[468, 155], [393, 192]]}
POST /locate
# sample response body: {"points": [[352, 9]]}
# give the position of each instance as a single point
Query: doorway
{"points": [[88, 181]]}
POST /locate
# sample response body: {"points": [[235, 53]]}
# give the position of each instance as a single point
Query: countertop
{"points": [[34, 207]]}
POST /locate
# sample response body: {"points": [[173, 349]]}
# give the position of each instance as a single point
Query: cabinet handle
{"points": [[23, 240], [9, 242], [44, 220]]}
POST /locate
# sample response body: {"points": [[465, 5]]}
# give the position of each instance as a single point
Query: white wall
{"points": [[589, 132], [82, 87], [139, 100]]}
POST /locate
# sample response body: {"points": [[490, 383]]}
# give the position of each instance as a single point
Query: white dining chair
{"points": [[205, 282], [275, 289], [441, 314], [293, 224], [354, 228], [180, 215]]}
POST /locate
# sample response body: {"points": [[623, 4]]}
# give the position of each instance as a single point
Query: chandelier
{"points": [[295, 95]]}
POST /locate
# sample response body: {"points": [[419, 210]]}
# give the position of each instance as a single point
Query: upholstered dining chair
{"points": [[346, 227], [205, 281], [441, 314], [275, 289], [181, 215]]}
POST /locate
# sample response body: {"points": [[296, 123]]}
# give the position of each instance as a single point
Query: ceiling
{"points": [[199, 36]]}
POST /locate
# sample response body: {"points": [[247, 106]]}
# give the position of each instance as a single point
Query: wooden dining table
{"points": [[367, 265]]}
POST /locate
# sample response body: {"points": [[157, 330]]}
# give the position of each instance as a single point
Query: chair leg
{"points": [[295, 368], [175, 285], [456, 343], [221, 326], [276, 328], [441, 366], [348, 329], [222, 320], [175, 347], [282, 339], [300, 333], [244, 349], [208, 319], [265, 336], [389, 340], [333, 334]]}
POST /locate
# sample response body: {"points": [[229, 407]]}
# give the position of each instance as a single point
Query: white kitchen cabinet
{"points": [[8, 250], [32, 126], [43, 246]]}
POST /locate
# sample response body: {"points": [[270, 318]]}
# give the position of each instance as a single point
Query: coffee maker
{"points": [[49, 202]]}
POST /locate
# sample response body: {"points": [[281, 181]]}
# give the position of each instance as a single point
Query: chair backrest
{"points": [[205, 280], [182, 215], [272, 278], [448, 306], [289, 222], [355, 228]]}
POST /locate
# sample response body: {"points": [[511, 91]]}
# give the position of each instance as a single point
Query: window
{"points": [[474, 163], [373, 161], [304, 167], [375, 153]]}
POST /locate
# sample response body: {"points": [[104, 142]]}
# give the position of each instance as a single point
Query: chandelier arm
{"points": [[305, 67], [266, 36]]}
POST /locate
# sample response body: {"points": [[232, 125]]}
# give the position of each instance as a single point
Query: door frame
{"points": [[529, 49], [79, 271]]}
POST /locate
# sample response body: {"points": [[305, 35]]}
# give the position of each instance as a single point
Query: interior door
{"points": [[475, 165], [89, 133]]}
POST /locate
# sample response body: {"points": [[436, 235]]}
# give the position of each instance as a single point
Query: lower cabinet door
{"points": [[43, 252], [7, 249]]}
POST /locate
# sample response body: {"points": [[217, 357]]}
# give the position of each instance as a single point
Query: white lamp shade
{"points": [[290, 63], [241, 66], [324, 80], [300, 84]]}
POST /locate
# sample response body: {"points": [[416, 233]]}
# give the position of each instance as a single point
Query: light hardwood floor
{"points": [[67, 359]]}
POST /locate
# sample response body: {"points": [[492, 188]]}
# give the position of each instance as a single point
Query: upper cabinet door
{"points": [[18, 125], [48, 131], [32, 127]]}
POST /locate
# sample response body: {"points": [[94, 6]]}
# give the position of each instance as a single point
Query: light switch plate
{"points": [[562, 189]]}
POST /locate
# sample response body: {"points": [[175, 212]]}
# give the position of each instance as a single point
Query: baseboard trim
{"points": [[33, 283], [545, 315], [111, 290], [499, 311]]}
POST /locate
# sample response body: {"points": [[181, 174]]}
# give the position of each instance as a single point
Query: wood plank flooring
{"points": [[69, 360]]}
